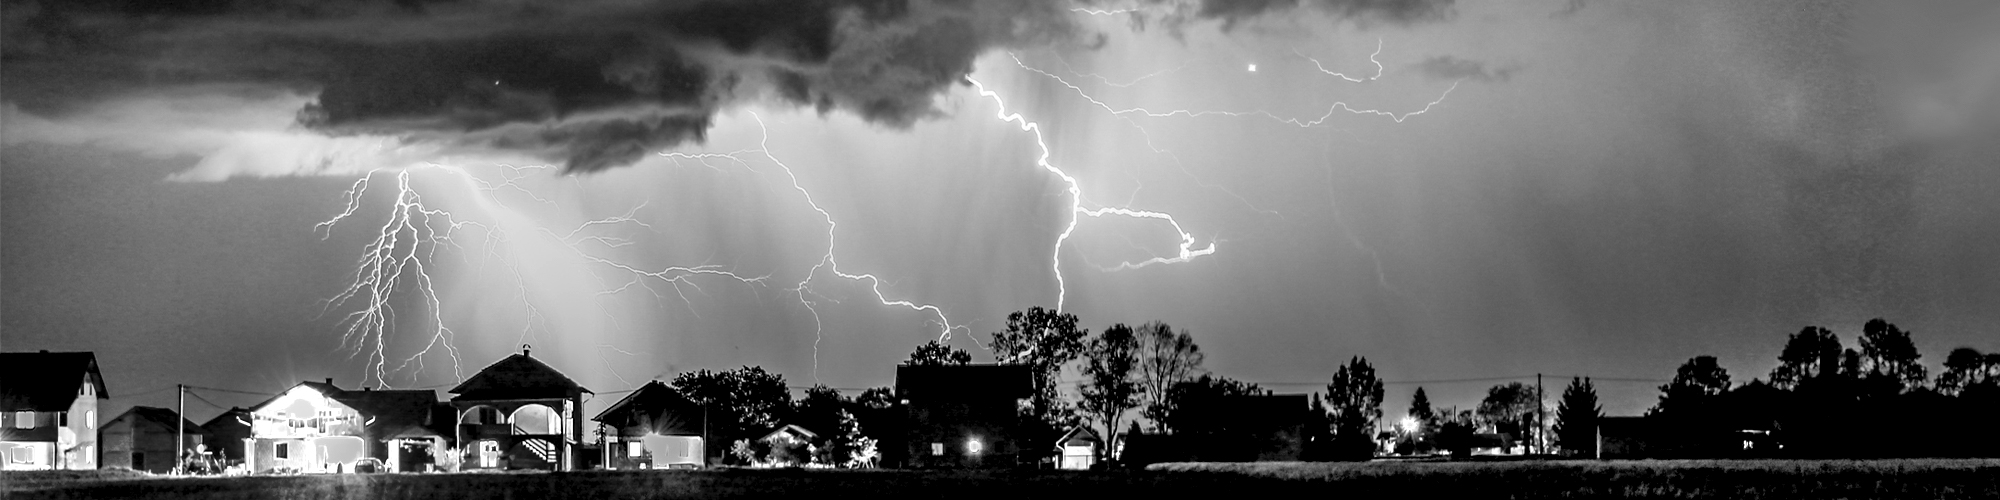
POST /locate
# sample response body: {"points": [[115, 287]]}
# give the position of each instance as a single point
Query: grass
{"points": [[1562, 479]]}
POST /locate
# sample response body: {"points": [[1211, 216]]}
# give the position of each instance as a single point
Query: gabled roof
{"points": [[790, 429], [519, 376], [964, 381], [1083, 432], [394, 413], [652, 396], [326, 389], [235, 417], [53, 380], [163, 417]]}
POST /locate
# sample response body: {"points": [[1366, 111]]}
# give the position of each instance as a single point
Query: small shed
{"points": [[1077, 449]]}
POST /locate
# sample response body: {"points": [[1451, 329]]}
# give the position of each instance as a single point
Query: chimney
{"points": [[329, 381], [45, 351], [524, 350]]}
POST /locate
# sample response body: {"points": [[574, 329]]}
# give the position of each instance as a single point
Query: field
{"points": [[1571, 479]]}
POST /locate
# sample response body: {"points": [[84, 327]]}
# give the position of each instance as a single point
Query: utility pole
{"points": [[180, 427], [1539, 403]]}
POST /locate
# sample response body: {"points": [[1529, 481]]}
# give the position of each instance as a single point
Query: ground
{"points": [[1561, 479]]}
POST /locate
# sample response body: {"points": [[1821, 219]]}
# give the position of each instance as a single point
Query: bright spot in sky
{"points": [[1253, 68]]}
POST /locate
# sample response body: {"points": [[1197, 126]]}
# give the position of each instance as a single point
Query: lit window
{"points": [[90, 417], [633, 449], [937, 448], [284, 451], [24, 420]]}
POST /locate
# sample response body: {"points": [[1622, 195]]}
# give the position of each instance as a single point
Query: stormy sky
{"points": [[1453, 190]]}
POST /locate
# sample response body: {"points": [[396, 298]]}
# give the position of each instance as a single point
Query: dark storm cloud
{"points": [[1453, 68], [1402, 12], [595, 84]]}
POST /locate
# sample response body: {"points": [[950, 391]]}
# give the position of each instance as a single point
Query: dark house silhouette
{"points": [[1271, 427], [964, 416], [653, 427], [142, 439], [519, 413], [226, 434]]}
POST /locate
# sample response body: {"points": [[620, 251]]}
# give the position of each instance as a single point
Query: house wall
{"points": [[130, 434], [953, 423], [72, 446], [511, 444], [82, 453]]}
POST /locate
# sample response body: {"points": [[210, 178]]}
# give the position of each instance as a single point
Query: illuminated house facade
{"points": [[48, 410], [142, 439], [654, 427], [964, 416], [318, 427], [519, 413]]}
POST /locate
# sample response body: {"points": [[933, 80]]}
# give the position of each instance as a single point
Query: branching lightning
{"points": [[827, 260]]}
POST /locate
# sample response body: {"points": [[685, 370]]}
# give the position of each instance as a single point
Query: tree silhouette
{"points": [[1043, 340], [934, 353], [1195, 406], [1420, 408], [820, 409], [1696, 382], [1812, 353], [1964, 367], [1576, 419], [1354, 404], [1891, 355], [1165, 358], [1109, 388], [1510, 408], [737, 402]]}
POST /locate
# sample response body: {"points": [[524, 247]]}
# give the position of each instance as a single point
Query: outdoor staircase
{"points": [[542, 448]]}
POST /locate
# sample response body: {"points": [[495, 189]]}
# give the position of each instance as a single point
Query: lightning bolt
{"points": [[398, 253], [827, 261], [1077, 206], [1127, 114]]}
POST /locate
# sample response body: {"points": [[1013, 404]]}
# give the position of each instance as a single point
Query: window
{"points": [[937, 449], [284, 451], [62, 419], [138, 460], [90, 417], [88, 388], [489, 453], [24, 420], [687, 451], [633, 449]]}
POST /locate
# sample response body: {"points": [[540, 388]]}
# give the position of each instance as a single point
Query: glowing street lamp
{"points": [[973, 446], [1409, 425]]}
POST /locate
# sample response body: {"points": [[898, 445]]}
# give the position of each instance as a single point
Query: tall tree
{"points": [[1043, 340], [1197, 406], [1812, 353], [1420, 407], [1510, 409], [1576, 419], [1354, 404], [1891, 355], [1695, 383], [934, 353], [738, 402], [1109, 385], [1165, 358]]}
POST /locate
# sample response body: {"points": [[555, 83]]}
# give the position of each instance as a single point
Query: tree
{"points": [[1812, 353], [934, 353], [1165, 358], [846, 446], [1455, 434], [1109, 388], [1510, 409], [1420, 407], [1964, 367], [1043, 340], [1891, 355], [737, 402], [1576, 418], [1195, 406], [1695, 383], [820, 410], [1354, 404]]}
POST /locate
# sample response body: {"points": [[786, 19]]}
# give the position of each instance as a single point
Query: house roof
{"points": [[324, 388], [1083, 432], [161, 416], [519, 376], [236, 416], [790, 429], [964, 381], [395, 413], [58, 379], [652, 396]]}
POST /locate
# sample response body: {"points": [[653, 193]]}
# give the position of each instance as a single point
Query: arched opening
{"points": [[481, 415], [536, 419]]}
